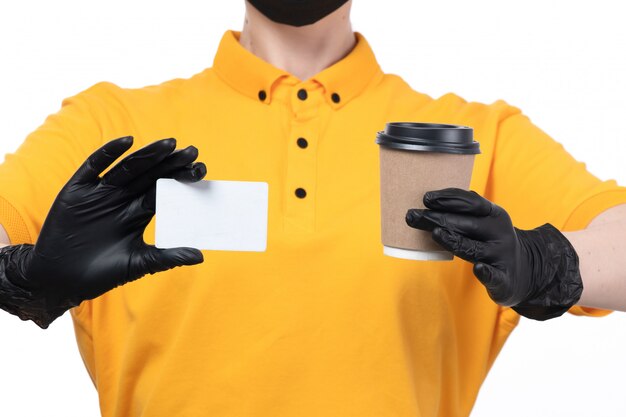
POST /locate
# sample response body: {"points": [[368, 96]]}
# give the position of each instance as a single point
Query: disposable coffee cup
{"points": [[416, 158]]}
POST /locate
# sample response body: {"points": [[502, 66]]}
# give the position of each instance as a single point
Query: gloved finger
{"points": [[470, 226], [135, 164], [180, 159], [151, 260], [415, 218], [496, 283], [101, 159], [463, 247], [456, 200], [194, 173]]}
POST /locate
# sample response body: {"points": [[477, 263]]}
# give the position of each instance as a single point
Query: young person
{"points": [[322, 323]]}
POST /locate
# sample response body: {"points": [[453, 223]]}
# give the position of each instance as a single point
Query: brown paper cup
{"points": [[416, 158]]}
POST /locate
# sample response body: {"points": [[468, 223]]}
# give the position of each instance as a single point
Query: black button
{"points": [[302, 143], [335, 98], [302, 94], [300, 192], [262, 95]]}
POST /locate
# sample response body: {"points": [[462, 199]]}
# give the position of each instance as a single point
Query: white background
{"points": [[562, 62]]}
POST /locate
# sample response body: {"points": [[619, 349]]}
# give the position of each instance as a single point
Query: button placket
{"points": [[302, 158]]}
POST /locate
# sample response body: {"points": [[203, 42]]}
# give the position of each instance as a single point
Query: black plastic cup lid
{"points": [[429, 137]]}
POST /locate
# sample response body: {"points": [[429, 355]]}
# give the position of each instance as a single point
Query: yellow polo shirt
{"points": [[321, 323]]}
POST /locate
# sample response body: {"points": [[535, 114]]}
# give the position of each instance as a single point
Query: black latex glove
{"points": [[92, 238], [535, 271]]}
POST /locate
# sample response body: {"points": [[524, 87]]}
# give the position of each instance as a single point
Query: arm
{"points": [[4, 237], [601, 249]]}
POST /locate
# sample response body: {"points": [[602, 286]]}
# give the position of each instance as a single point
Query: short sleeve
{"points": [[32, 176], [537, 181]]}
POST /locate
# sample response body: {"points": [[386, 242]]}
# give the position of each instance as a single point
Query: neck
{"points": [[301, 51]]}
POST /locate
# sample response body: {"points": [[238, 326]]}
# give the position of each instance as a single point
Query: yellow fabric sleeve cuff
{"points": [[580, 218], [12, 222]]}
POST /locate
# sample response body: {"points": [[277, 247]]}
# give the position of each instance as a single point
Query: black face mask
{"points": [[297, 12]]}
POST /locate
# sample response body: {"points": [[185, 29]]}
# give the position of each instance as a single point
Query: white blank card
{"points": [[212, 215]]}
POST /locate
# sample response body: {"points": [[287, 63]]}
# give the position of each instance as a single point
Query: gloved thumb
{"points": [[152, 259], [484, 273], [495, 282]]}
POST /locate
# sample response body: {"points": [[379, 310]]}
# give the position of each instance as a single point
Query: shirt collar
{"points": [[255, 78]]}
